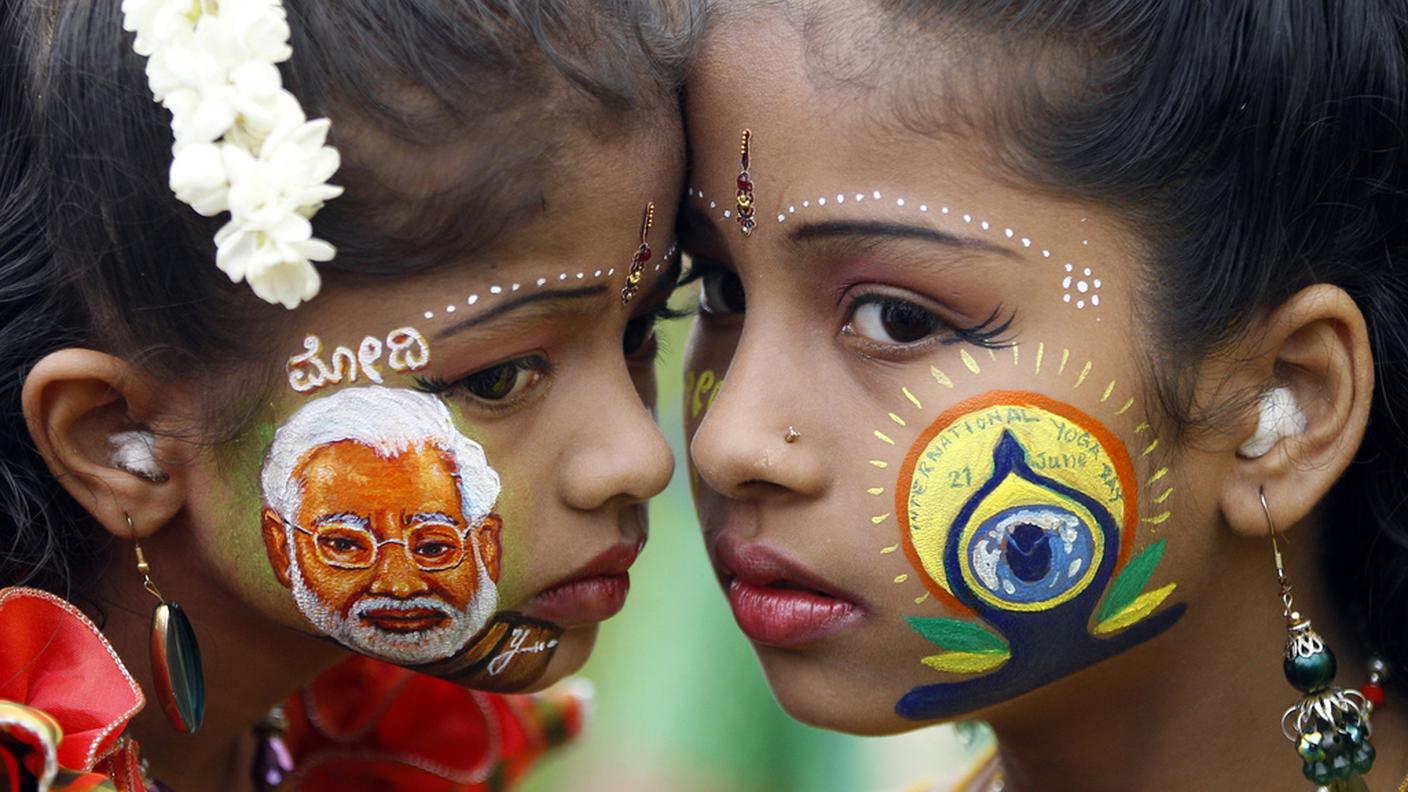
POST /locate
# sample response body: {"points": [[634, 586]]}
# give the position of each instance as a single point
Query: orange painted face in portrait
{"points": [[386, 527]]}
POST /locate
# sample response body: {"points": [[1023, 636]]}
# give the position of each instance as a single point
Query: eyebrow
{"points": [[884, 230], [425, 517], [340, 517], [518, 303]]}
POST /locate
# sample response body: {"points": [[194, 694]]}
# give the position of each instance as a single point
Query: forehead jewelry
{"points": [[176, 669], [792, 435], [637, 270], [1329, 725], [744, 197]]}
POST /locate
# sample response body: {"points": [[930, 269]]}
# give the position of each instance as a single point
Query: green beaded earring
{"points": [[1329, 725]]}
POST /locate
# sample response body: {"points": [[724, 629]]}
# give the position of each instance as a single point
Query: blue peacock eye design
{"points": [[1030, 554]]}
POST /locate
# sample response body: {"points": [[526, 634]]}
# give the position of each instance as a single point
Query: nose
{"points": [[756, 437], [396, 576], [620, 453]]}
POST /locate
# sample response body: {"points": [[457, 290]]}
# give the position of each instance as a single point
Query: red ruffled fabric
{"points": [[65, 698], [368, 725]]}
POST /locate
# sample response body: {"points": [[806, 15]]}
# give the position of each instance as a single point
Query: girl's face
{"points": [[920, 443], [451, 470]]}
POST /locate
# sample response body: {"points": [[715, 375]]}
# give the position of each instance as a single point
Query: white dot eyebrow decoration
{"points": [[1080, 291]]}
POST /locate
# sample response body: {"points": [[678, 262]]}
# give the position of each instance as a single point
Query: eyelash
{"points": [[438, 387], [985, 334]]}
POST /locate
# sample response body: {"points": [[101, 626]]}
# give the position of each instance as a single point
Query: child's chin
{"points": [[574, 648], [836, 701]]}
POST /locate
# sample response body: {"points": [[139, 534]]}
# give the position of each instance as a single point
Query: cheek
{"points": [[1031, 531]]}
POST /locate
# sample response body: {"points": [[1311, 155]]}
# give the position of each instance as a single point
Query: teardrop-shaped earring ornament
{"points": [[176, 668]]}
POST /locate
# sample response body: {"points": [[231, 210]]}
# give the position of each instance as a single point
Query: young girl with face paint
{"points": [[1022, 324], [434, 453]]}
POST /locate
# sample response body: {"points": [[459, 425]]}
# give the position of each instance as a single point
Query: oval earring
{"points": [[176, 667]]}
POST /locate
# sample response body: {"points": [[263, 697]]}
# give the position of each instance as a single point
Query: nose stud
{"points": [[792, 435]]}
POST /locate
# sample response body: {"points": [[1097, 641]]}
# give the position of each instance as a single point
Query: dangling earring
{"points": [[744, 199], [1329, 725], [637, 270], [176, 668]]}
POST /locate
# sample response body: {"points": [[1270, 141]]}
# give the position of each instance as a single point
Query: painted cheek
{"points": [[1020, 514]]}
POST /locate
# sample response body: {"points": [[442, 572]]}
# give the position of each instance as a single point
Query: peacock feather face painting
{"points": [[1019, 514]]}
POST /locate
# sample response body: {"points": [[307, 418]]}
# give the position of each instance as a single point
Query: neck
{"points": [[250, 665], [1198, 707]]}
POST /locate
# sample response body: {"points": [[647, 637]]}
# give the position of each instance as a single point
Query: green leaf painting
{"points": [[958, 636], [1131, 581]]}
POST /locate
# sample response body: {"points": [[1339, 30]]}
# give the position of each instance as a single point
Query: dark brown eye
{"points": [[640, 332], [721, 293], [893, 322], [503, 381]]}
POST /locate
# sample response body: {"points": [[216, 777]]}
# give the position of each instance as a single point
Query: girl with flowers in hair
{"points": [[217, 216]]}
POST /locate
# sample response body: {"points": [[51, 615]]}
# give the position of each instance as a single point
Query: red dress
{"points": [[65, 699]]}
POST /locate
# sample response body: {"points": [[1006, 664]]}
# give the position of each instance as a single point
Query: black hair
{"points": [[1259, 146], [96, 252]]}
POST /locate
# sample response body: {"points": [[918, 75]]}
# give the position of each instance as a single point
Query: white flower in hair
{"points": [[242, 143]]}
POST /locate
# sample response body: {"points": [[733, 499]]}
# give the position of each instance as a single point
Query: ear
{"points": [[276, 544], [1316, 344], [74, 400], [487, 535]]}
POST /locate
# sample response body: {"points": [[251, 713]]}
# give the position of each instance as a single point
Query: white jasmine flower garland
{"points": [[242, 143]]}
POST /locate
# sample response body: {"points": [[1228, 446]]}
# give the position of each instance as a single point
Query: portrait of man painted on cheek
{"points": [[379, 517]]}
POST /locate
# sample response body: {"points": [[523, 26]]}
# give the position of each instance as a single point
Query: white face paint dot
{"points": [[967, 218], [791, 210], [805, 204], [821, 201], [860, 196], [597, 274], [1087, 272], [473, 298], [1095, 300], [1046, 254], [1026, 242], [1068, 298], [1082, 287], [1097, 283], [580, 276], [875, 195], [1069, 265], [542, 281], [923, 207], [1066, 283], [429, 314], [985, 225], [1085, 241], [516, 287], [727, 214], [496, 290], [690, 191], [1008, 232], [781, 217], [899, 202], [449, 309], [562, 277], [611, 272], [713, 205], [1081, 305], [944, 210], [840, 198]]}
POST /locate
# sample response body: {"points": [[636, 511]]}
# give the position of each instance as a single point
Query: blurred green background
{"points": [[681, 703]]}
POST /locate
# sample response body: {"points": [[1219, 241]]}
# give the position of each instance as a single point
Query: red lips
{"points": [[405, 621], [594, 593], [777, 601]]}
